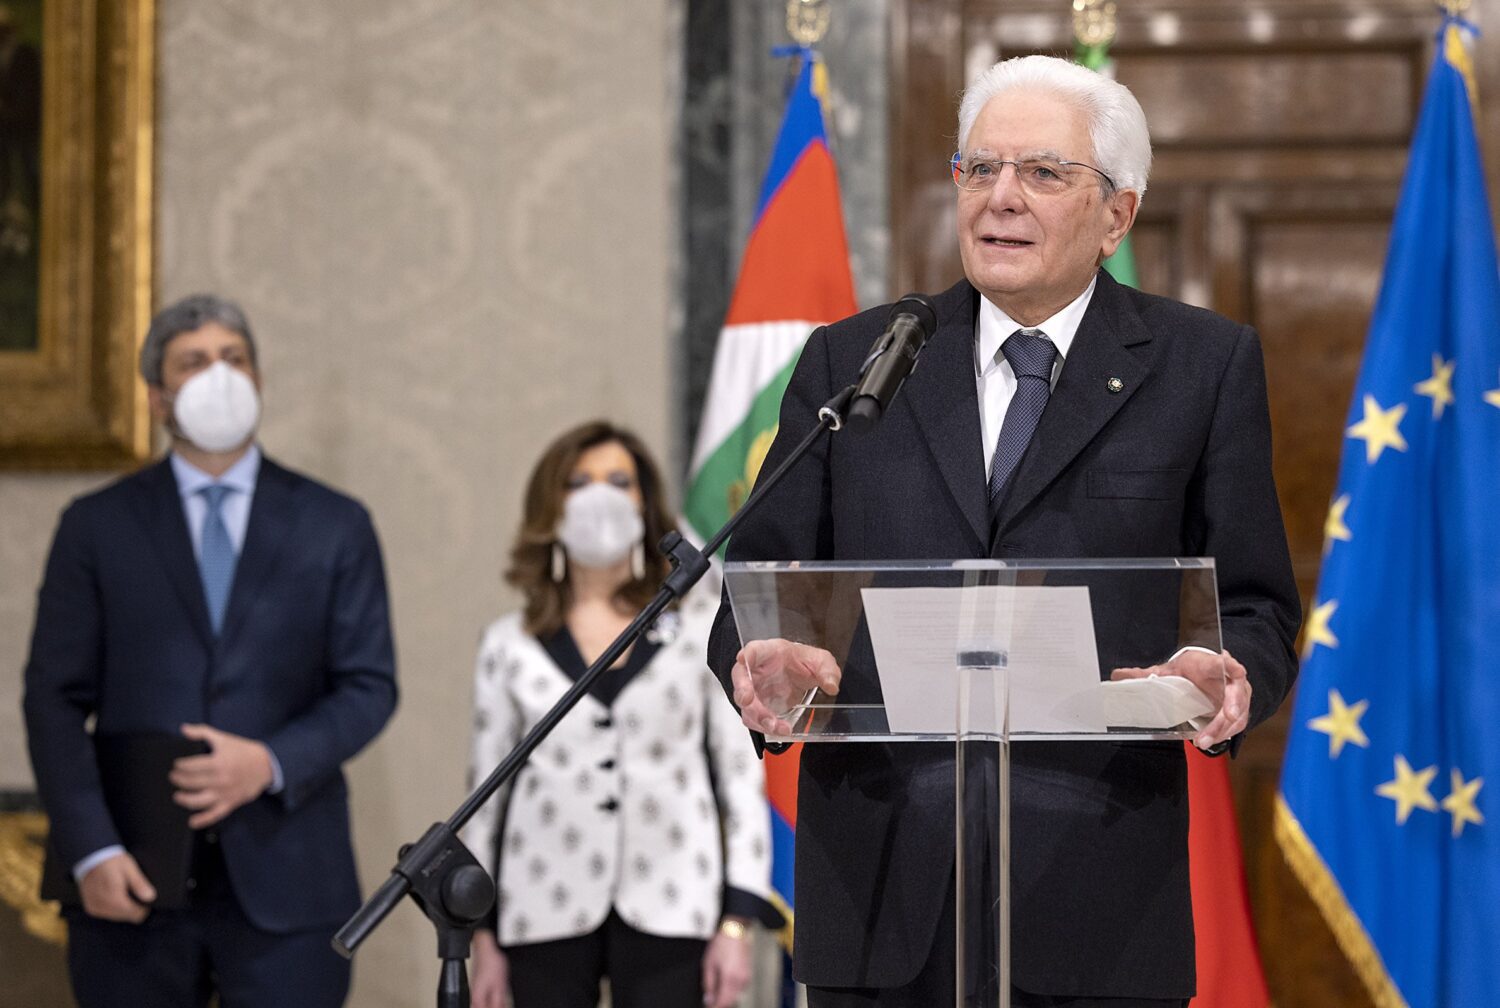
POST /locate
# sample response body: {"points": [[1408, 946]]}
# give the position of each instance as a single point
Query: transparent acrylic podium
{"points": [[984, 654]]}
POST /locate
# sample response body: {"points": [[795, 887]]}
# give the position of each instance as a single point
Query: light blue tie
{"points": [[216, 557]]}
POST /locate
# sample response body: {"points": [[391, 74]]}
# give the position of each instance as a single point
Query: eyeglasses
{"points": [[1038, 176]]}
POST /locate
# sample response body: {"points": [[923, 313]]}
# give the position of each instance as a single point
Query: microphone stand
{"points": [[438, 871]]}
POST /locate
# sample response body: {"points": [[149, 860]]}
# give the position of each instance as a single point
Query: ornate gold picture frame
{"points": [[69, 397]]}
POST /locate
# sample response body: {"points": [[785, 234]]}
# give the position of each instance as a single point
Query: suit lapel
{"points": [[166, 525], [1084, 400], [272, 515], [947, 411]]}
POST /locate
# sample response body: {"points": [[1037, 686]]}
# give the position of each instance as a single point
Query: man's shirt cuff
{"points": [[94, 860], [278, 781]]}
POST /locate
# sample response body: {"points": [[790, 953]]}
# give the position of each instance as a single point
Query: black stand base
{"points": [[453, 891]]}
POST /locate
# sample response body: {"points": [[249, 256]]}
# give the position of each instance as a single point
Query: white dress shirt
{"points": [[996, 378]]}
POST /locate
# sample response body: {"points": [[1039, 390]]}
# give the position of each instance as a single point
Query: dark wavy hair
{"points": [[531, 557]]}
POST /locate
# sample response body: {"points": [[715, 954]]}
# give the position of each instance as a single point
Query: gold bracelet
{"points": [[732, 928]]}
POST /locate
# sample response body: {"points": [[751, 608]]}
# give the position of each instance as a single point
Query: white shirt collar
{"points": [[995, 326], [241, 476]]}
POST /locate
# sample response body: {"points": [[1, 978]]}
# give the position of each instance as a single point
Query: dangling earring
{"points": [[559, 563], [638, 561]]}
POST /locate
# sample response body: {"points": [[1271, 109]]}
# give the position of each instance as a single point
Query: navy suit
{"points": [[1175, 463], [304, 664]]}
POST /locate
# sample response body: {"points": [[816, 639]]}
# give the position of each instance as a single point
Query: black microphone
{"points": [[891, 359]]}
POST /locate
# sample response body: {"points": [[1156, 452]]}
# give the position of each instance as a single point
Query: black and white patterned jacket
{"points": [[622, 805]]}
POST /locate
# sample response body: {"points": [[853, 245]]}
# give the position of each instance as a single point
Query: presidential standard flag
{"points": [[794, 278], [1385, 809]]}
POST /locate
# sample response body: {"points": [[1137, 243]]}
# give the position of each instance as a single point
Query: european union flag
{"points": [[1387, 808]]}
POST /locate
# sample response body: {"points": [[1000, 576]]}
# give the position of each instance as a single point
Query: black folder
{"points": [[133, 770]]}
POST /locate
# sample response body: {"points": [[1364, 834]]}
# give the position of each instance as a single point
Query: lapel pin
{"points": [[1115, 385]]}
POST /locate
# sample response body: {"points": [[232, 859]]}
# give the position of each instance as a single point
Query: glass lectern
{"points": [[983, 655]]}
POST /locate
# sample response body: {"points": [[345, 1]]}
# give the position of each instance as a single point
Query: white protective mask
{"points": [[600, 525], [217, 409]]}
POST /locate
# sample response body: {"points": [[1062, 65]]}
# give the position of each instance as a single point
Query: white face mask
{"points": [[217, 409], [600, 525]]}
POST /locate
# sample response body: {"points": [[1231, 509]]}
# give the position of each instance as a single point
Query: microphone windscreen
{"points": [[920, 308]]}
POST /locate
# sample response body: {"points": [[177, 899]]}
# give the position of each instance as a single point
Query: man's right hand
{"points": [[116, 889], [772, 676]]}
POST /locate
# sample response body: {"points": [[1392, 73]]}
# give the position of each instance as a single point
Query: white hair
{"points": [[1117, 126]]}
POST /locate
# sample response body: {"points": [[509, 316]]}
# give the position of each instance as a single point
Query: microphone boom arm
{"points": [[438, 871]]}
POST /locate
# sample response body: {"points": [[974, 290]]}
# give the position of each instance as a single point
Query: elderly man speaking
{"points": [[1056, 414]]}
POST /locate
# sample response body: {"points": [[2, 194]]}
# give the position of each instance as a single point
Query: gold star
{"points": [[1409, 789], [1380, 429], [1493, 397], [1333, 525], [1317, 630], [1439, 386], [1460, 801], [1341, 724]]}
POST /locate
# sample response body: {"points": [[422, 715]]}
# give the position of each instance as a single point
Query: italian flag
{"points": [[794, 278]]}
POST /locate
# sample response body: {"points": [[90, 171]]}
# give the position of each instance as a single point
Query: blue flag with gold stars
{"points": [[1387, 810]]}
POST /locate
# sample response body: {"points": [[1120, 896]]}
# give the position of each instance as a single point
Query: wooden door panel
{"points": [[1156, 242], [1254, 98], [1311, 311]]}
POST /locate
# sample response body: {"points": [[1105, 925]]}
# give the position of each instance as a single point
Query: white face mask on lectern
{"points": [[217, 409], [600, 525]]}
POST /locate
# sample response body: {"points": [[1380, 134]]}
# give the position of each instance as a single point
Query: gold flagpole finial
{"points": [[1094, 22], [807, 21], [1456, 50]]}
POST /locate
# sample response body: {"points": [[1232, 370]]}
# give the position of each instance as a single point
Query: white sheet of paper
{"points": [[1045, 632], [1155, 702]]}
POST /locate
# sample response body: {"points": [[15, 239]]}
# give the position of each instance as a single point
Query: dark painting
{"points": [[20, 176]]}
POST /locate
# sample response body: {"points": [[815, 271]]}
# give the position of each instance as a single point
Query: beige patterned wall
{"points": [[450, 222]]}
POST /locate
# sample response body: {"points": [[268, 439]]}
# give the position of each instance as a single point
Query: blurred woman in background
{"points": [[634, 843]]}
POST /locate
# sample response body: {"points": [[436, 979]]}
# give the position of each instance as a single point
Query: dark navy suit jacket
{"points": [[1175, 463], [304, 664]]}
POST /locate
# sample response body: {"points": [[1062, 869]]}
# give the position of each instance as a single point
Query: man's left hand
{"points": [[234, 771], [1221, 678]]}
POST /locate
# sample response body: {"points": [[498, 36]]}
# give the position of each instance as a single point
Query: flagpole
{"points": [[1094, 29]]}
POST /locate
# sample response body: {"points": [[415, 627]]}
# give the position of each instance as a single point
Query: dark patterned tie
{"points": [[1031, 355], [216, 556]]}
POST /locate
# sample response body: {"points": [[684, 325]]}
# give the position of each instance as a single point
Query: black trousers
{"points": [[908, 997], [934, 984], [179, 958], [645, 971]]}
